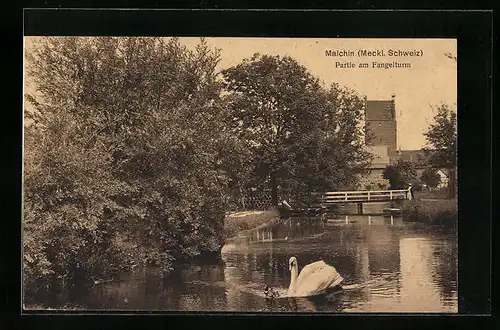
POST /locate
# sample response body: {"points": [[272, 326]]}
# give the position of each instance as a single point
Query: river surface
{"points": [[387, 266]]}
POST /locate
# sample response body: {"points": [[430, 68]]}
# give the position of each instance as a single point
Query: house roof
{"points": [[412, 155], [417, 157]]}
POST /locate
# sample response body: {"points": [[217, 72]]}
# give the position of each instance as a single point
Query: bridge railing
{"points": [[362, 196]]}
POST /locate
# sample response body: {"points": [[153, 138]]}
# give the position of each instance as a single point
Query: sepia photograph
{"points": [[240, 174]]}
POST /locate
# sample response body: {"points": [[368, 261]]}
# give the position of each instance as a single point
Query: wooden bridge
{"points": [[361, 197], [365, 196], [332, 199]]}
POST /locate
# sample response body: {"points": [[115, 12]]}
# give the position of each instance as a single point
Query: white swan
{"points": [[314, 279]]}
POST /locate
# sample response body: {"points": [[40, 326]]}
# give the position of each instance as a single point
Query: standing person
{"points": [[410, 192]]}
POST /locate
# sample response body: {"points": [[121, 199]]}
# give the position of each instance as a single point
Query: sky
{"points": [[431, 80]]}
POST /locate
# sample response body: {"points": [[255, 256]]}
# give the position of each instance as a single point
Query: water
{"points": [[387, 266]]}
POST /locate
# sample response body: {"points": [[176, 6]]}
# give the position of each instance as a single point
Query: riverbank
{"points": [[442, 212], [237, 222]]}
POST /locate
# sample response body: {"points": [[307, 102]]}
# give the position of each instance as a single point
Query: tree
{"points": [[430, 177], [303, 137], [441, 146], [400, 174], [369, 182], [124, 157]]}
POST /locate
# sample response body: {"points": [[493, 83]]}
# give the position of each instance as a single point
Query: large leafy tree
{"points": [[430, 177], [303, 137], [441, 139], [124, 155], [400, 174]]}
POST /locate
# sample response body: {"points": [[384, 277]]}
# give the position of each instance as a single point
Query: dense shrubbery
{"points": [[123, 157], [237, 222], [67, 189], [369, 182], [400, 174], [442, 212], [431, 178]]}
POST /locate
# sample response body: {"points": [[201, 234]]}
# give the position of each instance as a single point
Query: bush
{"points": [[439, 212], [368, 182], [431, 178], [67, 235], [400, 174], [236, 223], [122, 159]]}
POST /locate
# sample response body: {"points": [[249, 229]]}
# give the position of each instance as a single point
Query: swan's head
{"points": [[292, 263]]}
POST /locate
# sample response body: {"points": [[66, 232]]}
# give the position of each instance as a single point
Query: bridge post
{"points": [[390, 195], [360, 208]]}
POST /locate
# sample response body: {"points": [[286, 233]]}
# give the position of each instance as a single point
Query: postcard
{"points": [[238, 174]]}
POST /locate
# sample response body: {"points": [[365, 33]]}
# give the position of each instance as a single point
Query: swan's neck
{"points": [[293, 279]]}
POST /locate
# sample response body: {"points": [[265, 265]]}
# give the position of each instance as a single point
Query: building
{"points": [[444, 181], [416, 157], [380, 140], [372, 179], [381, 125]]}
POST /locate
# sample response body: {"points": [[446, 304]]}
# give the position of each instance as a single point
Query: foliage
{"points": [[67, 188], [237, 222], [124, 158], [370, 182], [441, 212], [430, 177], [133, 144], [400, 174], [442, 143], [302, 136], [442, 139]]}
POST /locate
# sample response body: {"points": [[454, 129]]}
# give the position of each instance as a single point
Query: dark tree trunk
{"points": [[274, 191]]}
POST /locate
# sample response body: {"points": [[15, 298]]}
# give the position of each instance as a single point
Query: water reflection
{"points": [[388, 266], [444, 265], [385, 267]]}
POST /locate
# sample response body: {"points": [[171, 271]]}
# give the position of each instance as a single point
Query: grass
{"points": [[237, 222], [442, 212], [432, 194]]}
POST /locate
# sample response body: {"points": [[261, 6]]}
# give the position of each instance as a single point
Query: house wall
{"points": [[380, 124], [382, 132], [444, 179], [380, 156]]}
